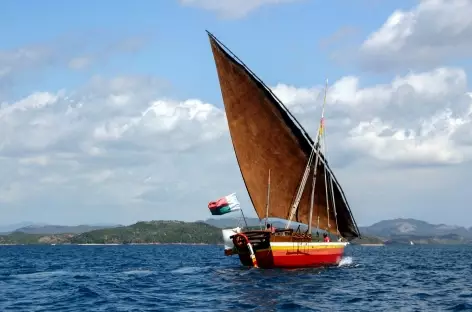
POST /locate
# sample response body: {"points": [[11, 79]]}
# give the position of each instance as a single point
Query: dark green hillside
{"points": [[60, 229], [367, 240], [167, 232], [19, 238], [153, 232], [25, 238]]}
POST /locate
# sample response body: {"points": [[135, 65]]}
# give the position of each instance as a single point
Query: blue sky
{"points": [[287, 37], [140, 103]]}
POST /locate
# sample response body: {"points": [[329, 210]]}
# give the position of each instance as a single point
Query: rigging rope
{"points": [[300, 189], [316, 149], [312, 199], [334, 205]]}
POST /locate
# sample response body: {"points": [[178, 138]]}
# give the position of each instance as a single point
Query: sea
{"points": [[201, 278]]}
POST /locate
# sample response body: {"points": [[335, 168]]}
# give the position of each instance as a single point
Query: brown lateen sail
{"points": [[265, 137]]}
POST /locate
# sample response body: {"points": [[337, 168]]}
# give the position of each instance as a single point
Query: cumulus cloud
{"points": [[121, 148], [412, 120], [433, 31], [117, 140], [232, 8], [400, 149]]}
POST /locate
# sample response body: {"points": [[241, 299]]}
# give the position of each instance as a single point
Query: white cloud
{"points": [[119, 151], [429, 146], [232, 8], [105, 140], [433, 31], [412, 120], [401, 149]]}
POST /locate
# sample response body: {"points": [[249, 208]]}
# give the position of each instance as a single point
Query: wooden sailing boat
{"points": [[267, 138]]}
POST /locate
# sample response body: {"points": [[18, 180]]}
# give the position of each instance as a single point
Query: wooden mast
{"points": [[317, 147]]}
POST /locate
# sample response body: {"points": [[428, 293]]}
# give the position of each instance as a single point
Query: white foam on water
{"points": [[42, 275], [137, 272], [345, 261], [188, 270]]}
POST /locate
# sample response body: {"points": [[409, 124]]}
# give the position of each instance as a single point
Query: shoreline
{"points": [[110, 244], [118, 244]]}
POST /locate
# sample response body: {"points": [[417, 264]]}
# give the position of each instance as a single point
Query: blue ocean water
{"points": [[201, 278]]}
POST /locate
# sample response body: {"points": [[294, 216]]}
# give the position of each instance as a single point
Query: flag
{"points": [[321, 125], [224, 205]]}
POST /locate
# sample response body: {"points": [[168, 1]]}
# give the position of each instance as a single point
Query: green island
{"points": [[448, 239], [200, 232], [158, 232], [368, 241]]}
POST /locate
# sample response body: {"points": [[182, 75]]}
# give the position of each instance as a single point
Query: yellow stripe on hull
{"points": [[276, 246]]}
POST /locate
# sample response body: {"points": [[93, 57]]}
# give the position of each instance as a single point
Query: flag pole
{"points": [[268, 201], [244, 218]]}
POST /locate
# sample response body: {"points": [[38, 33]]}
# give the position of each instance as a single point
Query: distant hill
{"points": [[8, 228], [43, 228], [154, 232], [413, 227], [230, 222], [367, 240], [141, 232], [448, 239], [398, 231], [61, 229], [251, 222]]}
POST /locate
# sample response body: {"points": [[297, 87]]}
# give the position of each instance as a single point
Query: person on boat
{"points": [[326, 238], [270, 228]]}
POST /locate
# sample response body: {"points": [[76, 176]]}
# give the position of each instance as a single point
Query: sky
{"points": [[111, 112]]}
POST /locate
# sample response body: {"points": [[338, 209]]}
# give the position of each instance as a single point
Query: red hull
{"points": [[294, 255]]}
